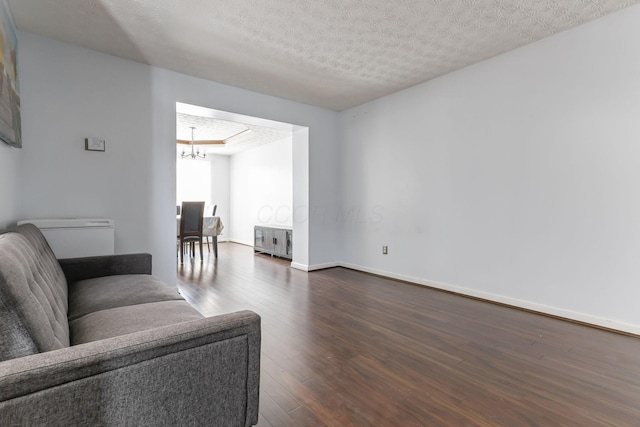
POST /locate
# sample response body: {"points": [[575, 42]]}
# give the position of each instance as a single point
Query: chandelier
{"points": [[195, 154]]}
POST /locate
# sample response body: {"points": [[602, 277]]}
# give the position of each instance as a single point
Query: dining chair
{"points": [[210, 232], [191, 227]]}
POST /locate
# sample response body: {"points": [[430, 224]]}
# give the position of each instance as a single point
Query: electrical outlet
{"points": [[385, 250]]}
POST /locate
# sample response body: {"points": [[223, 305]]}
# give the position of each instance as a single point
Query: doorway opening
{"points": [[254, 172]]}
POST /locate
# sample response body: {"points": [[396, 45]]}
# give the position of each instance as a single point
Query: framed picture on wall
{"points": [[10, 125]]}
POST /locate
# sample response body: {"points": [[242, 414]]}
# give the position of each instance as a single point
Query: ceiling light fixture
{"points": [[194, 154]]}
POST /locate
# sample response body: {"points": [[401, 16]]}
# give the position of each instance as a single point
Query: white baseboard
{"points": [[240, 242], [527, 305], [298, 266], [305, 267], [324, 265]]}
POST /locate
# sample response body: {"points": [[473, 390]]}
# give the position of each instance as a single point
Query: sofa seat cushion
{"points": [[103, 293], [126, 320]]}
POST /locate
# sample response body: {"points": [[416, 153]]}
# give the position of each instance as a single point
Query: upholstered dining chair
{"points": [[191, 219], [209, 231]]}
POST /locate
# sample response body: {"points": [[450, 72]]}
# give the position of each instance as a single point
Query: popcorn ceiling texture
{"points": [[329, 53], [212, 128]]}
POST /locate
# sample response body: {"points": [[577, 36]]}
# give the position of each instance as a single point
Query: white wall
{"points": [[10, 159], [302, 206], [69, 93], [515, 179], [261, 189], [220, 191]]}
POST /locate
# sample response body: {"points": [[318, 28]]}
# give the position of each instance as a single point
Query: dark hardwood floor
{"points": [[344, 348]]}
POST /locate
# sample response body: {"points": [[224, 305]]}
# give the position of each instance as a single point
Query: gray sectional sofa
{"points": [[99, 341]]}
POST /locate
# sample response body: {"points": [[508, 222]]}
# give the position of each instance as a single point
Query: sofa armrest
{"points": [[108, 265], [202, 372]]}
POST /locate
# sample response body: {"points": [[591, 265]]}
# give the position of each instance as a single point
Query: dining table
{"points": [[211, 227]]}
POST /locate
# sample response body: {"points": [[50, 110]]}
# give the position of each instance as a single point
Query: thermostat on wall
{"points": [[94, 144]]}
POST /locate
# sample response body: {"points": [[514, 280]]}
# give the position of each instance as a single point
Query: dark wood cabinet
{"points": [[273, 240]]}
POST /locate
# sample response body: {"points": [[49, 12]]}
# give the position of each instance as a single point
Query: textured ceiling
{"points": [[211, 128], [329, 53]]}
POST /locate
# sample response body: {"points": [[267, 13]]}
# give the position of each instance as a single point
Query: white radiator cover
{"points": [[77, 237]]}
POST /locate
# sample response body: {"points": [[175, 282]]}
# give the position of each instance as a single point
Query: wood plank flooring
{"points": [[344, 348]]}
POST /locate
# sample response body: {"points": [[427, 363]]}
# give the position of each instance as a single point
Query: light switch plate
{"points": [[94, 144]]}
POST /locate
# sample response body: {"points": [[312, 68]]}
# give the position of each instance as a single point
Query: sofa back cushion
{"points": [[33, 295]]}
